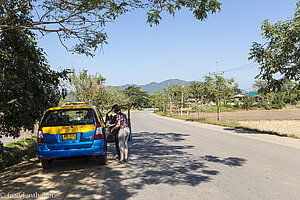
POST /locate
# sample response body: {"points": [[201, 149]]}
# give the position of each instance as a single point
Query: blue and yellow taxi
{"points": [[71, 130]]}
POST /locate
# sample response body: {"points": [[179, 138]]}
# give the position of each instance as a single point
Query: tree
{"points": [[229, 88], [181, 94], [247, 102], [90, 88], [105, 99], [137, 98], [84, 20], [186, 93], [260, 86], [160, 101], [27, 84], [170, 93], [279, 56], [219, 89], [174, 94], [85, 86], [289, 94], [197, 91], [209, 89]]}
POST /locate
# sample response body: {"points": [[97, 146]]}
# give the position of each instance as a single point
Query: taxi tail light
{"points": [[40, 136], [98, 132]]}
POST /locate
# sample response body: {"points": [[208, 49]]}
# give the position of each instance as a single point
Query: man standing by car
{"points": [[123, 134]]}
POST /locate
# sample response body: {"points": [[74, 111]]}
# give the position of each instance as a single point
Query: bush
{"points": [[237, 104], [16, 152], [278, 102]]}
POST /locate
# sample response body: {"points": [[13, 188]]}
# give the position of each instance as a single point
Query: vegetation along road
{"points": [[173, 159]]}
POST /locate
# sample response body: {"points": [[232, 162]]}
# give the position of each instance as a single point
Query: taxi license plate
{"points": [[69, 136]]}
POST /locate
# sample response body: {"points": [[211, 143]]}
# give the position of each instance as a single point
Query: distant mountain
{"points": [[244, 91], [154, 87]]}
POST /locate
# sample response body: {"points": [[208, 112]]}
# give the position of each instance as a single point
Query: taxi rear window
{"points": [[67, 117]]}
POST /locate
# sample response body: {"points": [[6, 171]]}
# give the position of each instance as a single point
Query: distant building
{"points": [[251, 94]]}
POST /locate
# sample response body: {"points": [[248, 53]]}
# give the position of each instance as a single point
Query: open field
{"points": [[282, 122], [283, 114], [289, 127]]}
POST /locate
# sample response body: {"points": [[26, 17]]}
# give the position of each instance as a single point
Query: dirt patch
{"points": [[243, 115], [289, 127], [68, 179]]}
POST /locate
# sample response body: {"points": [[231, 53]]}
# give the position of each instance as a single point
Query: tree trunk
{"points": [[218, 109], [181, 104], [171, 107], [198, 110]]}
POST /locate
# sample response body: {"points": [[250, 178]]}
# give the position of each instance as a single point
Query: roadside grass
{"points": [[228, 123], [204, 109], [223, 108], [213, 108], [19, 151]]}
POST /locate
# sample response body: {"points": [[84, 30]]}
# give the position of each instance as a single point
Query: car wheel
{"points": [[46, 164], [101, 160]]}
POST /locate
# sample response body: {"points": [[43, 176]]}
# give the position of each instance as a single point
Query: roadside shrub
{"points": [[196, 120], [278, 102], [16, 152], [237, 104]]}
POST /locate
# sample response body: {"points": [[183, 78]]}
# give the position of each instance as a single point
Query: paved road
{"points": [[173, 159]]}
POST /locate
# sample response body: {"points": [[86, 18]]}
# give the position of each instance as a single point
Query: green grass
{"points": [[16, 152]]}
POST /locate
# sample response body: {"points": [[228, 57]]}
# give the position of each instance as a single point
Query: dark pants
{"points": [[117, 145]]}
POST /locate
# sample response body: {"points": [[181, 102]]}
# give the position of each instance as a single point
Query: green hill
{"points": [[154, 87]]}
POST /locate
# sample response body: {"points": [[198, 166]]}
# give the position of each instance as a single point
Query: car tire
{"points": [[101, 160], [46, 164]]}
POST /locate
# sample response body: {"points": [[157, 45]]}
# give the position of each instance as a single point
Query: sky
{"points": [[179, 47]]}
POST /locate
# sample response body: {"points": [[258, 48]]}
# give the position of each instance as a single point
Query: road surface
{"points": [[172, 159]]}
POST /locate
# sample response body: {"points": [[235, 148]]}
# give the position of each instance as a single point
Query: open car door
{"points": [[110, 118]]}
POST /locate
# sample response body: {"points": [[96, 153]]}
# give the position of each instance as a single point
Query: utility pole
{"points": [[216, 74]]}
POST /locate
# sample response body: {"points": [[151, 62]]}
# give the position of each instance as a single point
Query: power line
{"points": [[242, 67], [245, 65]]}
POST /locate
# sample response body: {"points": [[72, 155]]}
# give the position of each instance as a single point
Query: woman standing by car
{"points": [[124, 132]]}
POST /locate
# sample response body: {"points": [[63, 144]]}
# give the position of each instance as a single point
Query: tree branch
{"points": [[6, 16], [2, 2], [9, 27], [62, 43]]}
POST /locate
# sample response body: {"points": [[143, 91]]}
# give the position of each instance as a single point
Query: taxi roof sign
{"points": [[76, 103]]}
